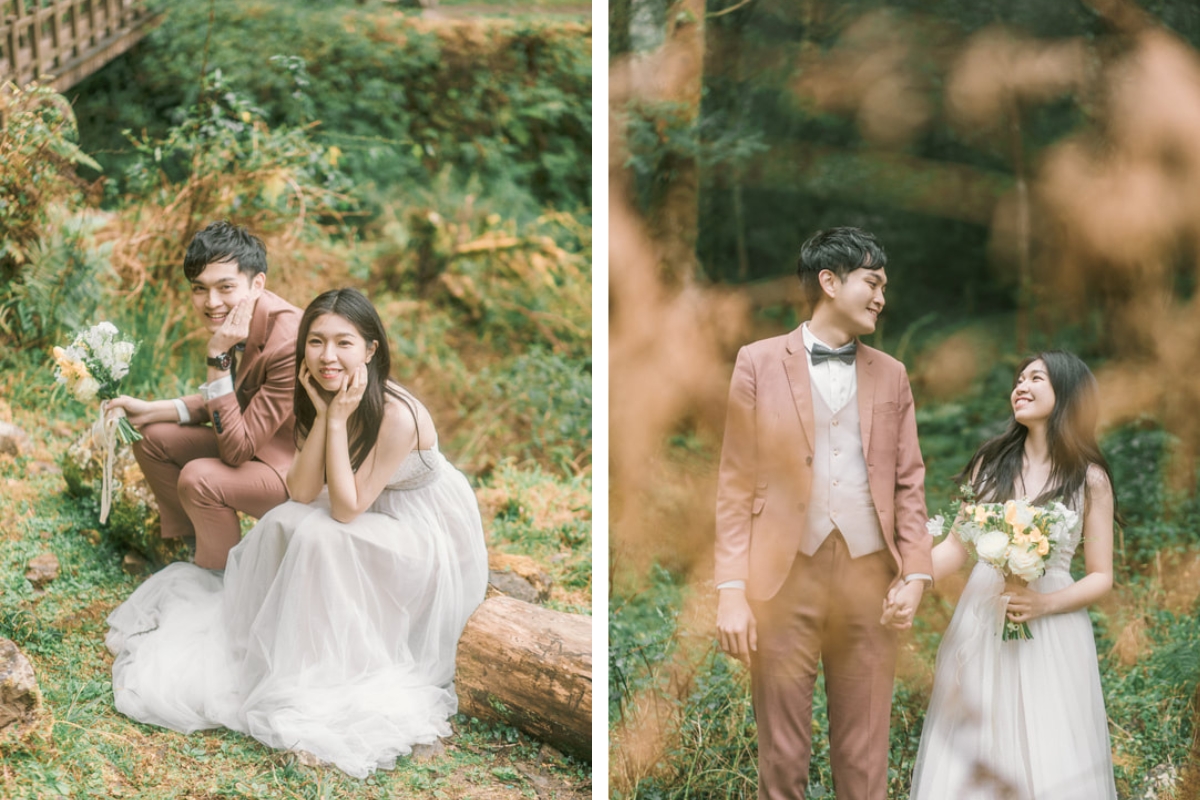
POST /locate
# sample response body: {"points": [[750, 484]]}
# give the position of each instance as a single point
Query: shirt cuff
{"points": [[181, 407], [918, 576], [218, 388], [732, 585]]}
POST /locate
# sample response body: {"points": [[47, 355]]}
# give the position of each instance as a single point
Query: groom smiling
{"points": [[203, 475], [820, 511]]}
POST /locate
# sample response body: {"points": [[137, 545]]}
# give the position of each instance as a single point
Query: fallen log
{"points": [[531, 668]]}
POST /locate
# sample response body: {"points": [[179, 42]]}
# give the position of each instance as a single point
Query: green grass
{"points": [[682, 721], [92, 751]]}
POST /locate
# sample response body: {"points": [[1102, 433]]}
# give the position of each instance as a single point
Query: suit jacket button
{"points": [[808, 461], [800, 507]]}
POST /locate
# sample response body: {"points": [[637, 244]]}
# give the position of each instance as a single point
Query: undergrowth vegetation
{"points": [[680, 710], [440, 167]]}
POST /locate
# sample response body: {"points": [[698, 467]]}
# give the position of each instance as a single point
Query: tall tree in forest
{"points": [[675, 199]]}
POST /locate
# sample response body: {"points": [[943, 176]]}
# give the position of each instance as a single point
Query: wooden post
{"points": [[529, 667], [59, 57]]}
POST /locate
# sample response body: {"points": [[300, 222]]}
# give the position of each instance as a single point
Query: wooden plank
{"points": [[91, 61], [75, 50], [68, 39], [93, 36], [56, 34]]}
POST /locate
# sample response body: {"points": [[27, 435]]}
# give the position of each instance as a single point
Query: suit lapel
{"points": [[864, 373], [256, 339], [795, 364]]}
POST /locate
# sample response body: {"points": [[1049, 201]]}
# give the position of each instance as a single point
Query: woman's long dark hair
{"points": [[1070, 437], [353, 306]]}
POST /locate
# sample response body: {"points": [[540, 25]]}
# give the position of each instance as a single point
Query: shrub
{"points": [[45, 259], [401, 98]]}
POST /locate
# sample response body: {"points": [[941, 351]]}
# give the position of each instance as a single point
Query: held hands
{"points": [[236, 326], [900, 605], [736, 627]]}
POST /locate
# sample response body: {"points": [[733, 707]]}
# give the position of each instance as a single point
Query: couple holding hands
{"points": [[821, 528], [331, 627]]}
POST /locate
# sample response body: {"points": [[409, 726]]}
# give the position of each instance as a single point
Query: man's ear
{"points": [[830, 282], [259, 281]]}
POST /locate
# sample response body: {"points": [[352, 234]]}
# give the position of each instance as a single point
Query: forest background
{"points": [[1031, 169], [438, 161]]}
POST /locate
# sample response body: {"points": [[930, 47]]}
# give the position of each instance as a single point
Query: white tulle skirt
{"points": [[335, 639], [1016, 719]]}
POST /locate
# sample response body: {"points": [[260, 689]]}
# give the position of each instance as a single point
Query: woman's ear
{"points": [[371, 351]]}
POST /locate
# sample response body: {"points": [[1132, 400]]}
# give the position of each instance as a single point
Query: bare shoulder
{"points": [[409, 418], [1098, 483]]}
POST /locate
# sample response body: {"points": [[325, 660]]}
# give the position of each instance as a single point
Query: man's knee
{"points": [[151, 447], [196, 485]]}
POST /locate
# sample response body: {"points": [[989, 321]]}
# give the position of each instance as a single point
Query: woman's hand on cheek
{"points": [[346, 400], [314, 392]]}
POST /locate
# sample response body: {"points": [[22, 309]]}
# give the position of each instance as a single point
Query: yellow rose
{"points": [[1036, 534], [1043, 546]]}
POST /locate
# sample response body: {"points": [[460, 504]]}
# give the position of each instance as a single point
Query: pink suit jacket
{"points": [[765, 478], [256, 419]]}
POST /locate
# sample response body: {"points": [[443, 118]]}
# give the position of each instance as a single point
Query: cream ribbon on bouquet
{"points": [[104, 434]]}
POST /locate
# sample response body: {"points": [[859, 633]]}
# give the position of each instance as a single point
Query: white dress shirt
{"points": [[833, 378]]}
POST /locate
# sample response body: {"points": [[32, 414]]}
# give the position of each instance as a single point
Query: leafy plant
{"points": [[45, 257]]}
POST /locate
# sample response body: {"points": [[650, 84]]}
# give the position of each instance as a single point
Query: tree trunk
{"points": [[620, 17], [675, 215], [531, 668]]}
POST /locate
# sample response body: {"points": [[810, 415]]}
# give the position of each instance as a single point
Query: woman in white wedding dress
{"points": [[1025, 719], [334, 626]]}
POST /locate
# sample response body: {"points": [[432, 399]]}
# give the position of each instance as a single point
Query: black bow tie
{"points": [[820, 353]]}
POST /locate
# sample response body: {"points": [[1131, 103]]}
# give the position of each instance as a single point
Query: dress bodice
{"points": [[419, 468], [1062, 555]]}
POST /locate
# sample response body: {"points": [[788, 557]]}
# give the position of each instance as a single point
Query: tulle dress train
{"points": [[333, 638], [1016, 719]]}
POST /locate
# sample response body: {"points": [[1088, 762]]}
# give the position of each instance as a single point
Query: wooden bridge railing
{"points": [[69, 39]]}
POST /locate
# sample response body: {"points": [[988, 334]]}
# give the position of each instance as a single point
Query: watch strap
{"points": [[223, 361]]}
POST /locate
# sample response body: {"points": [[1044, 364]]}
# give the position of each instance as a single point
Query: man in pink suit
{"points": [[820, 512], [203, 475]]}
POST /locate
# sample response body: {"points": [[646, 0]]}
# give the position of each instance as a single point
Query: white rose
{"points": [[87, 388], [968, 532], [936, 525], [1023, 516], [106, 327], [992, 547], [124, 351], [1025, 563]]}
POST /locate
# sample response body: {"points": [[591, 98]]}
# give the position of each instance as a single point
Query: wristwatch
{"points": [[221, 362]]}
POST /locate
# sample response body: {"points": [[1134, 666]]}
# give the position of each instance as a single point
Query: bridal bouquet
{"points": [[1016, 537], [91, 367]]}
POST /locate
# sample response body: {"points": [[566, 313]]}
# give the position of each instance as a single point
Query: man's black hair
{"points": [[224, 241], [839, 250]]}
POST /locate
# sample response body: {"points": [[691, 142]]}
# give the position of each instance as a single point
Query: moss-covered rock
{"points": [[133, 520]]}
